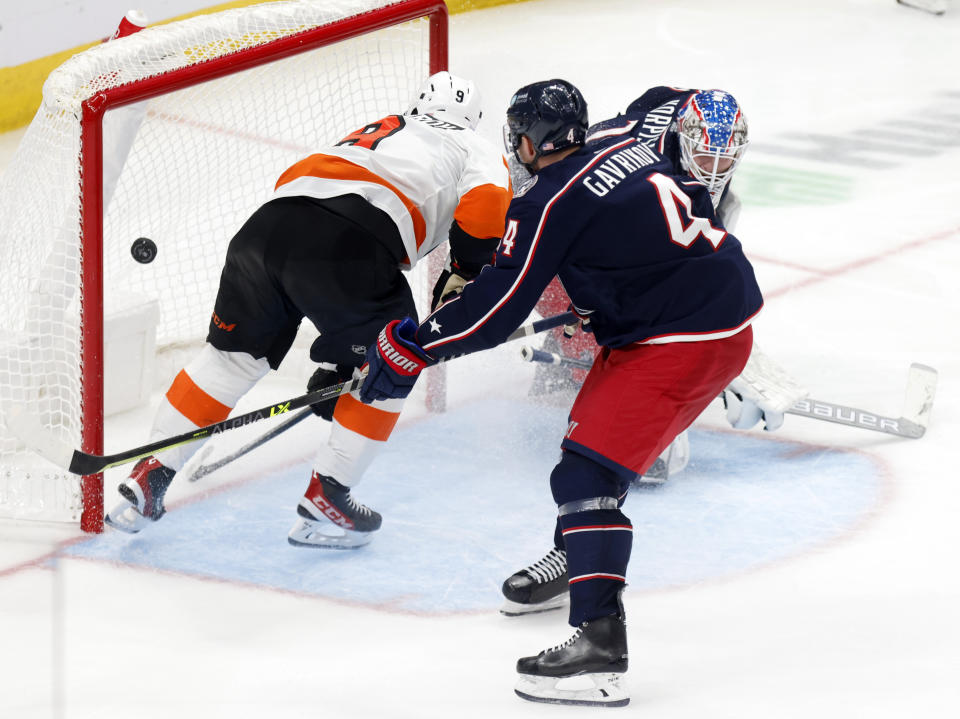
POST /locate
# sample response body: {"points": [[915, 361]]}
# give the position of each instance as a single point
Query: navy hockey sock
{"points": [[598, 537], [598, 550]]}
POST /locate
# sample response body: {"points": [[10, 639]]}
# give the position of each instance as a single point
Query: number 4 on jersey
{"points": [[676, 206]]}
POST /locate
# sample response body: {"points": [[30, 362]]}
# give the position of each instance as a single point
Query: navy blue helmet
{"points": [[552, 113]]}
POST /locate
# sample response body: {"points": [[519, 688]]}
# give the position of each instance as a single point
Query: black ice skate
{"points": [[538, 588], [142, 494], [597, 652], [331, 518]]}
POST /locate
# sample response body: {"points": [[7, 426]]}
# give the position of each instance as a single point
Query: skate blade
{"points": [[125, 518], [595, 690], [646, 481], [515, 609], [323, 534]]}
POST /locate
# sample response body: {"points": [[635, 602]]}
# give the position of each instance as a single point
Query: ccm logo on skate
{"points": [[331, 512], [400, 361]]}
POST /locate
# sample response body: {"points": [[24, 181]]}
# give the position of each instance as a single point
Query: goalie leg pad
{"points": [[672, 460]]}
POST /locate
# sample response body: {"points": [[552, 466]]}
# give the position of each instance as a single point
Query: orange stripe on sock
{"points": [[195, 404], [363, 419]]}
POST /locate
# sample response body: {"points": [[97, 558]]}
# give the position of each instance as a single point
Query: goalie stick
{"points": [[918, 400], [29, 429], [934, 7]]}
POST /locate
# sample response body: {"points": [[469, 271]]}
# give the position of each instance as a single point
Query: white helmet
{"points": [[450, 98]]}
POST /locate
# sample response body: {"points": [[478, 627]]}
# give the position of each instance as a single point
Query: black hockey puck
{"points": [[144, 250]]}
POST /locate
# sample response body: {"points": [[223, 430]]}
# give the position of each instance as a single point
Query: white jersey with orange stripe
{"points": [[422, 171]]}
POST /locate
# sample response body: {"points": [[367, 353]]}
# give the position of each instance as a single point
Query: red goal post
{"points": [[223, 102]]}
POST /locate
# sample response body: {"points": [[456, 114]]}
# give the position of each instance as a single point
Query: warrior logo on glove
{"points": [[394, 362], [406, 364]]}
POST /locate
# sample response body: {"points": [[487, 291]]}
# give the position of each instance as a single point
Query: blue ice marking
{"points": [[466, 501]]}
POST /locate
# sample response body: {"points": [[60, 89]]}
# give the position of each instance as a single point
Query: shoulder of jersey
{"points": [[619, 126], [656, 96], [599, 143]]}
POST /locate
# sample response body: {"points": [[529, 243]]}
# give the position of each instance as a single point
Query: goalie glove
{"points": [[743, 413], [763, 391], [394, 362]]}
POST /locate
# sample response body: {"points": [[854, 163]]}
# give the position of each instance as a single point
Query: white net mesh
{"points": [[185, 169]]}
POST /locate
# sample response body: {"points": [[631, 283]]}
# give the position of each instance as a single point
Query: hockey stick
{"points": [[204, 469], [912, 423], [927, 6], [29, 429], [918, 400]]}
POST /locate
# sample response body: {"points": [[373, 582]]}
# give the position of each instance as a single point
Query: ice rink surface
{"points": [[805, 573]]}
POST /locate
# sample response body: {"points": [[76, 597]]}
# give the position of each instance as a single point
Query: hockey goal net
{"points": [[175, 134]]}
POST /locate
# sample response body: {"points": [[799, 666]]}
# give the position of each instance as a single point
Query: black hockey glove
{"points": [[325, 376]]}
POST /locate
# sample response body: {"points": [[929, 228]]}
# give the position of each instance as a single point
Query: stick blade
{"points": [[200, 468], [28, 428], [918, 399]]}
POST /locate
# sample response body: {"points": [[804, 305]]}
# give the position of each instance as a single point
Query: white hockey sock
{"points": [[214, 379], [357, 435]]}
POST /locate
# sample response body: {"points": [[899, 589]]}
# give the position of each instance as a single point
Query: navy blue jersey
{"points": [[649, 119], [636, 246]]}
